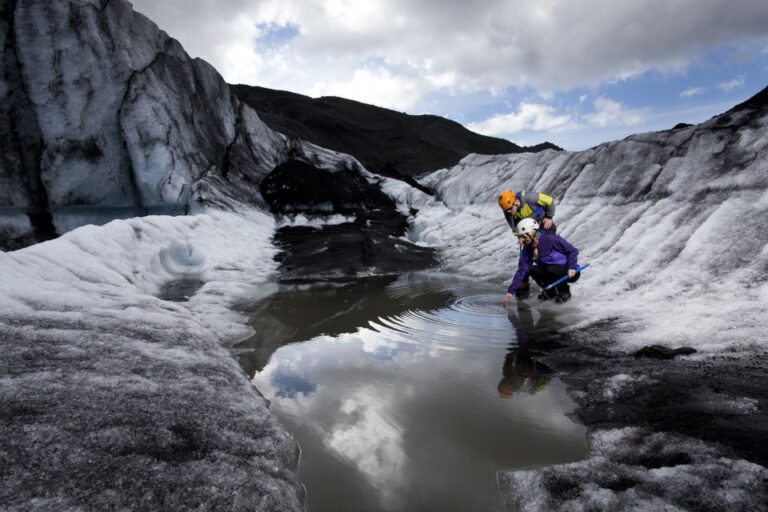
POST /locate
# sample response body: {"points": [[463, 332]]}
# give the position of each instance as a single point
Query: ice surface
{"points": [[618, 384], [673, 230], [76, 84], [14, 224], [114, 398], [633, 469]]}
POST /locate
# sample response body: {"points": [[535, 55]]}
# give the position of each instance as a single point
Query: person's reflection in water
{"points": [[521, 373]]}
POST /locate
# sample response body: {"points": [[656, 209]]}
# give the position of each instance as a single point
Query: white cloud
{"points": [[372, 441], [547, 95], [613, 113], [375, 86], [731, 84], [455, 45], [530, 116], [692, 91]]}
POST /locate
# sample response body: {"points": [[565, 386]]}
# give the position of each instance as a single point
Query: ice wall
{"points": [[672, 223], [105, 116]]}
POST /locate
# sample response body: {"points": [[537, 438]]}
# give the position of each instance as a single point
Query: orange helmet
{"points": [[506, 199]]}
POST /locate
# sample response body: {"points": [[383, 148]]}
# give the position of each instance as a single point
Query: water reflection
{"points": [[301, 312], [400, 411], [522, 372]]}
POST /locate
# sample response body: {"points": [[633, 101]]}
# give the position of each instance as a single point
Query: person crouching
{"points": [[546, 258]]}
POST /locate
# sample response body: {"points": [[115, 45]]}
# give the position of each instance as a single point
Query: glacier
{"points": [[106, 116], [114, 397], [672, 225]]}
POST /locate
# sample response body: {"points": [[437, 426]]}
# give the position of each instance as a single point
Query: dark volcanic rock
{"points": [[387, 142], [721, 400], [372, 243], [662, 352], [297, 186]]}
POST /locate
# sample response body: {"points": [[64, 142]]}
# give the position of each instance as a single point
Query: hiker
{"points": [[547, 258], [523, 205]]}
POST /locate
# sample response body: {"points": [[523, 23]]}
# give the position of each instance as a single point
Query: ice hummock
{"points": [[114, 398]]}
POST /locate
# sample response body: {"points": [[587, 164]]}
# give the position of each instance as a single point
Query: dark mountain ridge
{"points": [[385, 141]]}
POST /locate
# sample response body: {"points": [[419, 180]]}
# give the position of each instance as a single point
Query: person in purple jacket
{"points": [[547, 258]]}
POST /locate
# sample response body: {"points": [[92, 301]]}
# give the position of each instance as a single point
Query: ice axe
{"points": [[565, 277]]}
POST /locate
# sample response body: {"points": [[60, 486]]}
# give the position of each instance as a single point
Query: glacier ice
{"points": [[113, 397], [634, 469], [671, 225]]}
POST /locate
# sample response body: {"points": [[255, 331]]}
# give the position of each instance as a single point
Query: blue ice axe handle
{"points": [[578, 269]]}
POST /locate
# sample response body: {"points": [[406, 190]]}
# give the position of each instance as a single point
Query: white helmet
{"points": [[526, 226]]}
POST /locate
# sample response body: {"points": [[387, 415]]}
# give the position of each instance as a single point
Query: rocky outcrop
{"points": [[662, 352], [386, 142], [369, 240]]}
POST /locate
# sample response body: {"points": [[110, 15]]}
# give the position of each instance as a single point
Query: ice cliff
{"points": [[105, 116]]}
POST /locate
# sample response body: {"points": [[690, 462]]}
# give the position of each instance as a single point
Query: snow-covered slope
{"points": [[115, 398], [673, 224]]}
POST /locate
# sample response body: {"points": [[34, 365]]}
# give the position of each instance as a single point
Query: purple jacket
{"points": [[553, 250]]}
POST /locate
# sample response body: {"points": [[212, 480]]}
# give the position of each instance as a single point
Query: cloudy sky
{"points": [[574, 72]]}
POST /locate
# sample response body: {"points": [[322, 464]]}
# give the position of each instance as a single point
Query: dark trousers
{"points": [[545, 275]]}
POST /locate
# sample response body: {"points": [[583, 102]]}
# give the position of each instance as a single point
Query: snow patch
{"points": [[314, 221], [618, 384], [633, 469]]}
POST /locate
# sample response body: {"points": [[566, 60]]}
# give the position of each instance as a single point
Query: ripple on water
{"points": [[483, 305], [477, 320]]}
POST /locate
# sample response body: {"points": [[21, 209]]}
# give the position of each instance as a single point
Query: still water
{"points": [[410, 393]]}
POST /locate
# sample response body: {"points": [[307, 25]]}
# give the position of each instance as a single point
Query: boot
{"points": [[563, 297], [544, 295]]}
